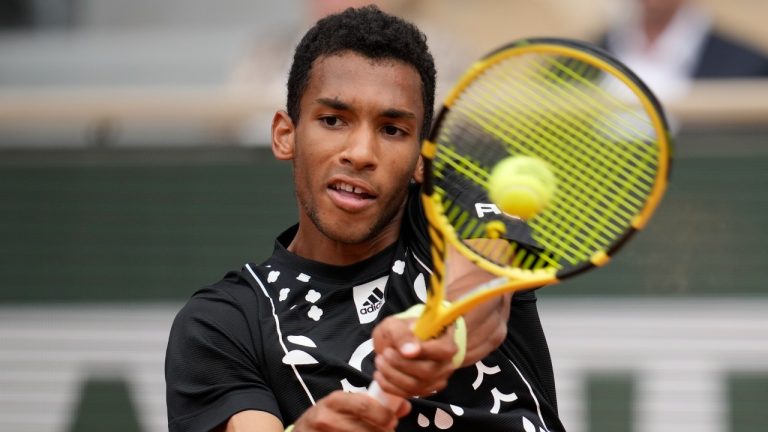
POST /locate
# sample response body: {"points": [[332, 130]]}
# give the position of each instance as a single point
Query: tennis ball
{"points": [[521, 186]]}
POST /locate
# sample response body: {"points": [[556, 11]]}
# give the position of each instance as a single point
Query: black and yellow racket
{"points": [[546, 157]]}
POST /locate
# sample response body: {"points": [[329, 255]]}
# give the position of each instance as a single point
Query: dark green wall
{"points": [[708, 237], [132, 225], [138, 229]]}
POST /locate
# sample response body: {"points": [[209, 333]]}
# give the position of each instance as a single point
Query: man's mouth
{"points": [[351, 190]]}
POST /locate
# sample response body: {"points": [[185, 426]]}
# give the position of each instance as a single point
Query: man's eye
{"points": [[393, 131], [331, 121]]}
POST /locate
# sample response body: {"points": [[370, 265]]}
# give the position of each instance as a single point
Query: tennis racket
{"points": [[567, 106]]}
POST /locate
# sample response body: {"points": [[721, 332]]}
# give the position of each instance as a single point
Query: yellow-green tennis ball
{"points": [[521, 186], [520, 195]]}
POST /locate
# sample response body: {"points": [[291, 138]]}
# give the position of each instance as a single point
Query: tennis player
{"points": [[292, 343]]}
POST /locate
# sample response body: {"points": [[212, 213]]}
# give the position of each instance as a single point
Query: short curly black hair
{"points": [[372, 33]]}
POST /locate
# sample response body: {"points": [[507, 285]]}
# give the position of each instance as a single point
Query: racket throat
{"points": [[433, 321]]}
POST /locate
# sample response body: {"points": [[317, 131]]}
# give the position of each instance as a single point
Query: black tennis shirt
{"points": [[279, 336]]}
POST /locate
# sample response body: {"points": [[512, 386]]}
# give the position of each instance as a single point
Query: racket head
{"points": [[589, 118]]}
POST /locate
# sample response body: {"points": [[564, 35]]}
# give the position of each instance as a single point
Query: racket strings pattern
{"points": [[459, 197], [578, 116], [582, 114]]}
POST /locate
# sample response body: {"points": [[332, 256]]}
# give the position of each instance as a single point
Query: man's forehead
{"points": [[348, 75], [349, 59], [385, 60]]}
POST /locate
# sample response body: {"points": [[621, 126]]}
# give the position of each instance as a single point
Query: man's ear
{"points": [[418, 172], [283, 136]]}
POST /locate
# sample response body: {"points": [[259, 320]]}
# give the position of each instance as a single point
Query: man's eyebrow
{"points": [[395, 113], [392, 113], [334, 103]]}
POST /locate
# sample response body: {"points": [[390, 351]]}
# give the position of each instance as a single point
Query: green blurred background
{"points": [[126, 225]]}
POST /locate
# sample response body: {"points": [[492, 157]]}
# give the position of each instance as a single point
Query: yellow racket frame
{"points": [[438, 313]]}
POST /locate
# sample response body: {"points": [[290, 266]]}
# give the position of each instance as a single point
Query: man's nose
{"points": [[361, 149]]}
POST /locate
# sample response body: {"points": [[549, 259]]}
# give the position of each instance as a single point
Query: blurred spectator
{"points": [[669, 43]]}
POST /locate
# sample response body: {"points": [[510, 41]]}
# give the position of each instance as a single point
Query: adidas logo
{"points": [[369, 298], [374, 302]]}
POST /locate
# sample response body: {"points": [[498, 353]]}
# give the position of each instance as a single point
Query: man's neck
{"points": [[312, 244]]}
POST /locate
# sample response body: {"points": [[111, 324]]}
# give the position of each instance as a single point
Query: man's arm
{"points": [[246, 421], [487, 322], [339, 411], [212, 370]]}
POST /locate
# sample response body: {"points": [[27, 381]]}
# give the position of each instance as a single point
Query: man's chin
{"points": [[356, 230], [350, 236]]}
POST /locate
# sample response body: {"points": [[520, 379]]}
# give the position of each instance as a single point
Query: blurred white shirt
{"points": [[666, 66]]}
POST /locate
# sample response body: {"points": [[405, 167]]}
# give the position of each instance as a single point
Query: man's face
{"points": [[357, 145]]}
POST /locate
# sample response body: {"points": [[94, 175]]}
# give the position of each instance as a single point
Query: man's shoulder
{"points": [[232, 294], [232, 285]]}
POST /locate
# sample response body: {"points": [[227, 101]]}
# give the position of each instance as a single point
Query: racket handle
{"points": [[375, 391]]}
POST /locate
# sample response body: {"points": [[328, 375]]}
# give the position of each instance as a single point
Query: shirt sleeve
{"points": [[527, 343], [211, 369]]}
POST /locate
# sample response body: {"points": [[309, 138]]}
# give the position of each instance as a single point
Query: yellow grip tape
{"points": [[459, 332]]}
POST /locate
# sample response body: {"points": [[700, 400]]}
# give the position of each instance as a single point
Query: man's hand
{"points": [[337, 412], [407, 366], [347, 412]]}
